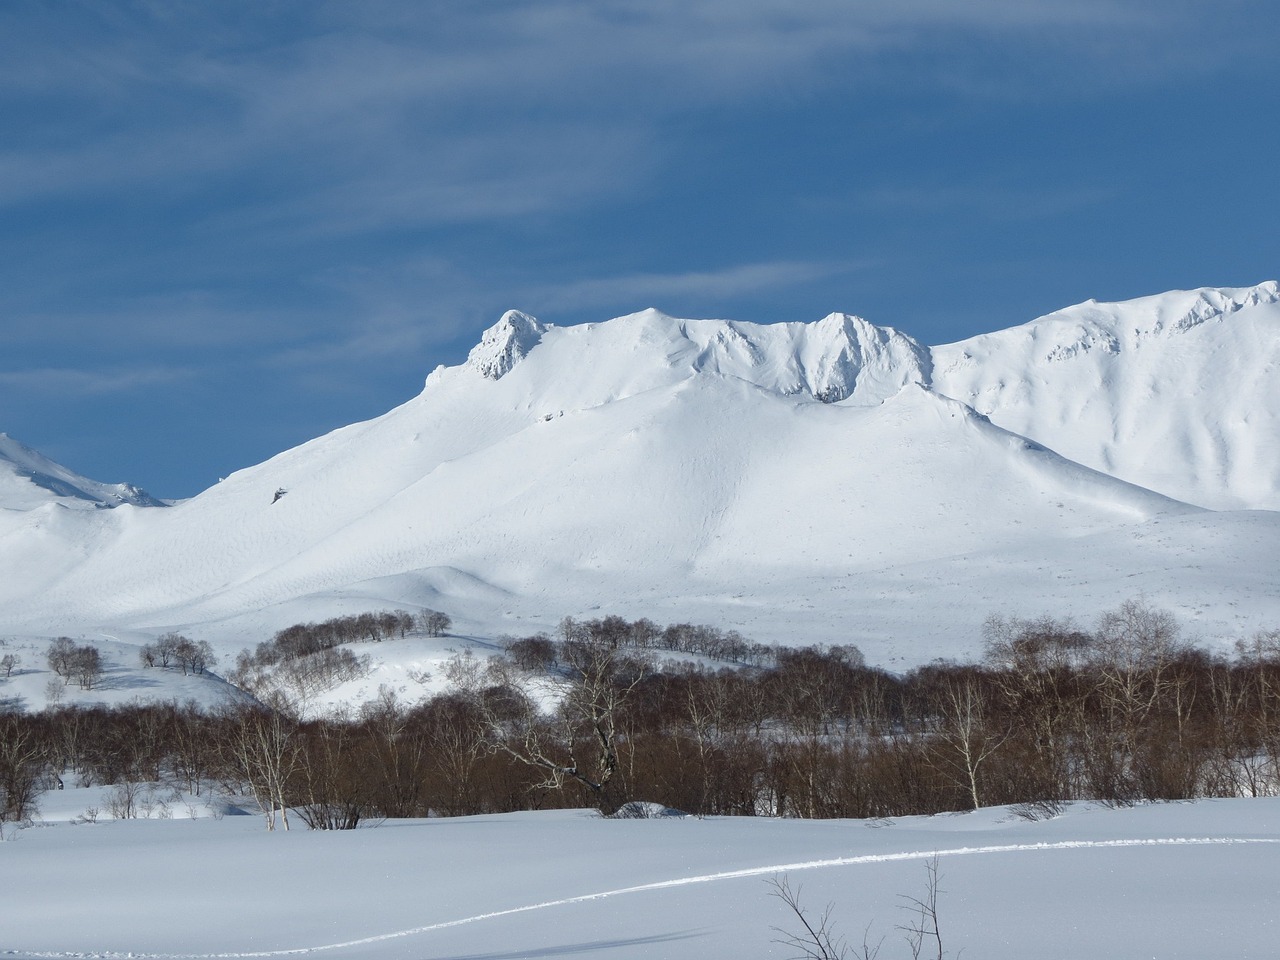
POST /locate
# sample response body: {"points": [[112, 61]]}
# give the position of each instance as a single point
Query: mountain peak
{"points": [[505, 344], [859, 359]]}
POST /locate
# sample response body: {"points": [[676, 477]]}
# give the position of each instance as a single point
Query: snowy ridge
{"points": [[837, 358], [833, 359], [28, 478]]}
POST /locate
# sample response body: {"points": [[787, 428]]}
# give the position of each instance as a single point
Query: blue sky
{"points": [[229, 227]]}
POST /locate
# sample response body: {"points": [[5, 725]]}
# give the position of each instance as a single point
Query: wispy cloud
{"points": [[71, 383], [465, 112], [191, 321], [994, 202], [635, 291]]}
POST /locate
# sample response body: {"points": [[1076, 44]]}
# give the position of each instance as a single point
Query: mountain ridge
{"points": [[19, 462]]}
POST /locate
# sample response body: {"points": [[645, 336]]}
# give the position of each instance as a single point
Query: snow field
{"points": [[1172, 880]]}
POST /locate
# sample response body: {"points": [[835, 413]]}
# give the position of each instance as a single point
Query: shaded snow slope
{"points": [[1179, 392], [801, 482], [29, 479]]}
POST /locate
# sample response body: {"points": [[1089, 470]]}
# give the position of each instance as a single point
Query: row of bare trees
{"points": [[1124, 711], [302, 639], [697, 639], [175, 650]]}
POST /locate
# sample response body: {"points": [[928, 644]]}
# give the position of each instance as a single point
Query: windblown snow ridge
{"points": [[839, 357]]}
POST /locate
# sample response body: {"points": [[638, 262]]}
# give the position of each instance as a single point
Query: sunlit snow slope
{"points": [[822, 481], [1179, 392]]}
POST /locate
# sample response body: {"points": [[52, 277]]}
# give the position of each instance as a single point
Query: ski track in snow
{"points": [[645, 887]]}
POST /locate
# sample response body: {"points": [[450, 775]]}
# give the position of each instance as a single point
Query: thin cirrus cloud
{"points": [[661, 289], [363, 93], [72, 383], [993, 201]]}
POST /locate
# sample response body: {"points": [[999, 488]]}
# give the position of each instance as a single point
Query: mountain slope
{"points": [[1179, 393]]}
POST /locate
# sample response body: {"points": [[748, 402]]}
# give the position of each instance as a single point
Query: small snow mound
{"points": [[645, 810], [505, 344]]}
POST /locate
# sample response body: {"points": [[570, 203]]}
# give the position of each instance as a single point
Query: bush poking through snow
{"points": [[815, 937]]}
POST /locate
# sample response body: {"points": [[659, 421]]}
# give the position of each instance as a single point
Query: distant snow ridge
{"points": [[840, 357], [505, 344], [837, 358], [1217, 304], [686, 469], [21, 463]]}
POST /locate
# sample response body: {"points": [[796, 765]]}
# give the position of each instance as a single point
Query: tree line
{"points": [[1124, 711]]}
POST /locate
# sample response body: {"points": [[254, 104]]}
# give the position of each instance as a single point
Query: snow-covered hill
{"points": [[822, 481]]}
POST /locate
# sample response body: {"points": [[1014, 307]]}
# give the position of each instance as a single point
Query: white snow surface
{"points": [[1187, 880], [691, 470]]}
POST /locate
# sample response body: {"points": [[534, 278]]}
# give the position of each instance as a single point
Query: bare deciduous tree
{"points": [[579, 740], [263, 749], [22, 760]]}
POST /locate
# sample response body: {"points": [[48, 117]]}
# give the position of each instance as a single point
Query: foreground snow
{"points": [[1188, 880]]}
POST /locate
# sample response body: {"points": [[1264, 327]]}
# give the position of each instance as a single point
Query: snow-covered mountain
{"points": [[830, 481]]}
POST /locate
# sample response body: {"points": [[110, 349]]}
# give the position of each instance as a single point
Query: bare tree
{"points": [[262, 748], [60, 656], [86, 666], [579, 741], [22, 760], [967, 734], [923, 931], [816, 938], [434, 623]]}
